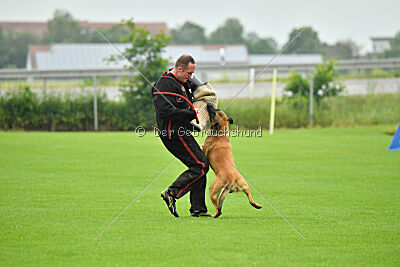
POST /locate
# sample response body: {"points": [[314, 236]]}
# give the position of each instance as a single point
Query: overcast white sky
{"points": [[333, 20]]}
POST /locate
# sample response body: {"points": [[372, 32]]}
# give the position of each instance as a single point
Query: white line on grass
{"points": [[280, 214], [133, 200], [105, 228]]}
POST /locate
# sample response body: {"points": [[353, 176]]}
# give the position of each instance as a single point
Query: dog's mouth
{"points": [[218, 118], [212, 112]]}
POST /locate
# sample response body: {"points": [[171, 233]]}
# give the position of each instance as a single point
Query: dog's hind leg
{"points": [[245, 188], [214, 190], [221, 197], [217, 196]]}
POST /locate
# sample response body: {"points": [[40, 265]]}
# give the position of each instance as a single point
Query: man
{"points": [[173, 98]]}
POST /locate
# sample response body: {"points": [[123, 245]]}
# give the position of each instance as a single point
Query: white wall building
{"points": [[214, 62], [380, 44]]}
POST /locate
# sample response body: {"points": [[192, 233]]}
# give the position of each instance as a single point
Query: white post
{"points": [[252, 73], [95, 104], [222, 56], [273, 94]]}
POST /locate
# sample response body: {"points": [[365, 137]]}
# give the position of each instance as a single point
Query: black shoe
{"points": [[170, 200], [200, 214]]}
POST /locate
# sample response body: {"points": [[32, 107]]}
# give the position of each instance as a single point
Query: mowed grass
{"points": [[339, 187]]}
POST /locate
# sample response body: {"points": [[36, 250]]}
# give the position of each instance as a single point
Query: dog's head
{"points": [[219, 120]]}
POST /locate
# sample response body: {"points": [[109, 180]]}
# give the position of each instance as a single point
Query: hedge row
{"points": [[25, 110]]}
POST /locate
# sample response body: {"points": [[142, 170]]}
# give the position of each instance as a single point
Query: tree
{"points": [[188, 33], [4, 46], [231, 32], [62, 28], [114, 34], [145, 54], [394, 50], [307, 42], [342, 50], [324, 82], [257, 45], [297, 85], [18, 47]]}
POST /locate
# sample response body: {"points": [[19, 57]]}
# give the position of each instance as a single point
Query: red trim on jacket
{"points": [[162, 76], [187, 100], [169, 129]]}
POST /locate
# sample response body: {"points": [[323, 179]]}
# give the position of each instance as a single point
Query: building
{"points": [[380, 44], [95, 55], [214, 62], [39, 28]]}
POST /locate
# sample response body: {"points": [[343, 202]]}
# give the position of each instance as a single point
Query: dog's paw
{"points": [[255, 205], [216, 215]]}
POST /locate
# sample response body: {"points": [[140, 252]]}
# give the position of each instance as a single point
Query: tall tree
{"points": [[4, 46], [62, 28], [307, 42], [257, 45], [18, 47], [231, 32], [114, 34], [342, 50], [145, 53], [188, 33]]}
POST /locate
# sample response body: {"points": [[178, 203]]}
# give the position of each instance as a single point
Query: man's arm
{"points": [[168, 112]]}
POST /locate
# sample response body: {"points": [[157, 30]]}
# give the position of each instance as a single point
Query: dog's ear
{"points": [[211, 111], [230, 120], [216, 126]]}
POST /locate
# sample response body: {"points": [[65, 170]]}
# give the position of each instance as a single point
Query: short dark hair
{"points": [[183, 61]]}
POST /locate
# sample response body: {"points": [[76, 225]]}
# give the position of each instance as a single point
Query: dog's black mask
{"points": [[216, 126], [211, 111]]}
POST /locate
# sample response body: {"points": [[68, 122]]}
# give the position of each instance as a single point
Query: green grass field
{"points": [[339, 186]]}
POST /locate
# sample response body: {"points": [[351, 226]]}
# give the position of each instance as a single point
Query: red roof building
{"points": [[39, 28]]}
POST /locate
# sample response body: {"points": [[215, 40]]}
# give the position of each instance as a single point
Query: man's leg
{"points": [[189, 152], [197, 196]]}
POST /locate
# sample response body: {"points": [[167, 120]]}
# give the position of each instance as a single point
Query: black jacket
{"points": [[173, 112]]}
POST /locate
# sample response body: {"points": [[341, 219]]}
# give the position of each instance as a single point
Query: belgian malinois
{"points": [[217, 148]]}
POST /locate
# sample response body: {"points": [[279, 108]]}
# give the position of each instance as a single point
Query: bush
{"points": [[324, 82], [335, 111], [23, 109], [297, 85]]}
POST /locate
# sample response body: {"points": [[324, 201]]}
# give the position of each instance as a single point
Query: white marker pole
{"points": [[95, 104], [311, 100], [272, 113], [252, 74]]}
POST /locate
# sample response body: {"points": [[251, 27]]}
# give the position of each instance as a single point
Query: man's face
{"points": [[184, 75]]}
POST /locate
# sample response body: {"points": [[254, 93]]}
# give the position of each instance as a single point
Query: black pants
{"points": [[186, 149]]}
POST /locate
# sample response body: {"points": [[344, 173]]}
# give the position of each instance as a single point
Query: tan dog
{"points": [[217, 148]]}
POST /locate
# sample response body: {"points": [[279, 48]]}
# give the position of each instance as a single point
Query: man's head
{"points": [[184, 68]]}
